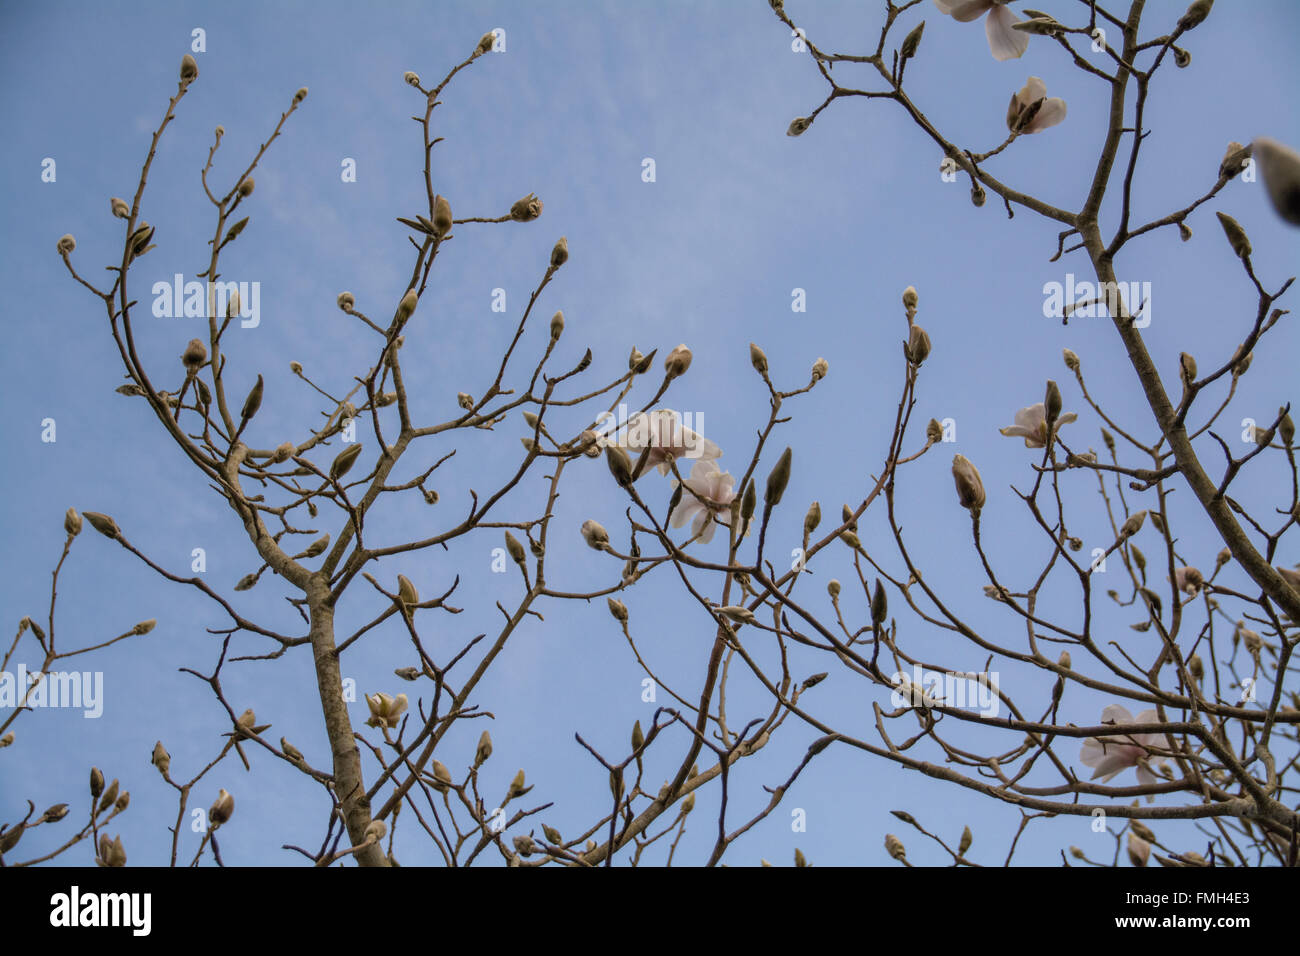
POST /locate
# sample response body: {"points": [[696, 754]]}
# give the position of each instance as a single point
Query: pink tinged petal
{"points": [[1067, 418], [1049, 114], [704, 523], [1017, 431], [1004, 42], [1117, 714], [1112, 765], [1032, 417], [684, 512], [964, 10], [1033, 91], [1144, 774]]}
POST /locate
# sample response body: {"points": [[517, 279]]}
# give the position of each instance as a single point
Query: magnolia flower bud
{"points": [[72, 523], [110, 796], [1195, 15], [111, 852], [618, 609], [102, 523], [819, 369], [66, 244], [970, 488], [918, 345], [55, 813], [517, 788], [678, 361], [1071, 360], [1052, 403], [406, 308], [911, 42], [484, 749], [758, 359], [406, 592], [1184, 231], [851, 539], [222, 808], [1236, 235], [894, 846], [464, 400], [1182, 59], [517, 553], [120, 209], [375, 831], [977, 195], [910, 298], [246, 582], [189, 68], [879, 605], [195, 354], [344, 461], [299, 96], [1187, 368], [813, 518], [933, 431], [749, 500], [1234, 160], [144, 627], [283, 452], [1196, 667], [346, 301], [441, 776], [560, 254], [412, 78], [1133, 525], [290, 751], [798, 126], [526, 209], [620, 466], [96, 783], [557, 326], [1286, 427], [441, 216], [486, 42], [1139, 850], [778, 479], [246, 187], [253, 402]]}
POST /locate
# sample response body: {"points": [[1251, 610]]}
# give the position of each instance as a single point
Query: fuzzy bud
{"points": [[1279, 167], [300, 95], [620, 466], [933, 431], [484, 749], [819, 369], [441, 776], [1071, 360], [66, 244], [120, 209], [798, 126], [910, 299], [96, 783], [1236, 235], [222, 808], [618, 609], [406, 308], [1187, 368], [894, 846], [344, 461], [758, 358], [1286, 427], [1133, 525], [246, 187], [879, 605], [911, 42], [485, 43], [189, 68], [1195, 15], [678, 361], [595, 535], [970, 488], [441, 216], [72, 523], [918, 345], [557, 326], [102, 523], [1052, 403], [778, 479], [346, 301], [560, 253], [813, 518], [1234, 160], [517, 553], [526, 209], [195, 354]]}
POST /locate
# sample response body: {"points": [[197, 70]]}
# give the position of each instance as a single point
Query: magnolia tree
{"points": [[1202, 721]]}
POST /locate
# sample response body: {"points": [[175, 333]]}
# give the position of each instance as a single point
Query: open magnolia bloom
{"points": [[1004, 42], [1110, 755], [385, 711], [715, 489], [1031, 111], [662, 432], [1031, 425]]}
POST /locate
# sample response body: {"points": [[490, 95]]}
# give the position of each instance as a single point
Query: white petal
{"points": [[965, 10], [1116, 714], [1004, 42], [1049, 114]]}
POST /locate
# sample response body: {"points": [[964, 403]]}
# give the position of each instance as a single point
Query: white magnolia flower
{"points": [[1031, 425], [1189, 579], [1110, 755], [1031, 111], [385, 711], [1004, 42], [664, 434], [713, 494]]}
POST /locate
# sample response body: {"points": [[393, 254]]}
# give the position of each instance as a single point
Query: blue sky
{"points": [[738, 216]]}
